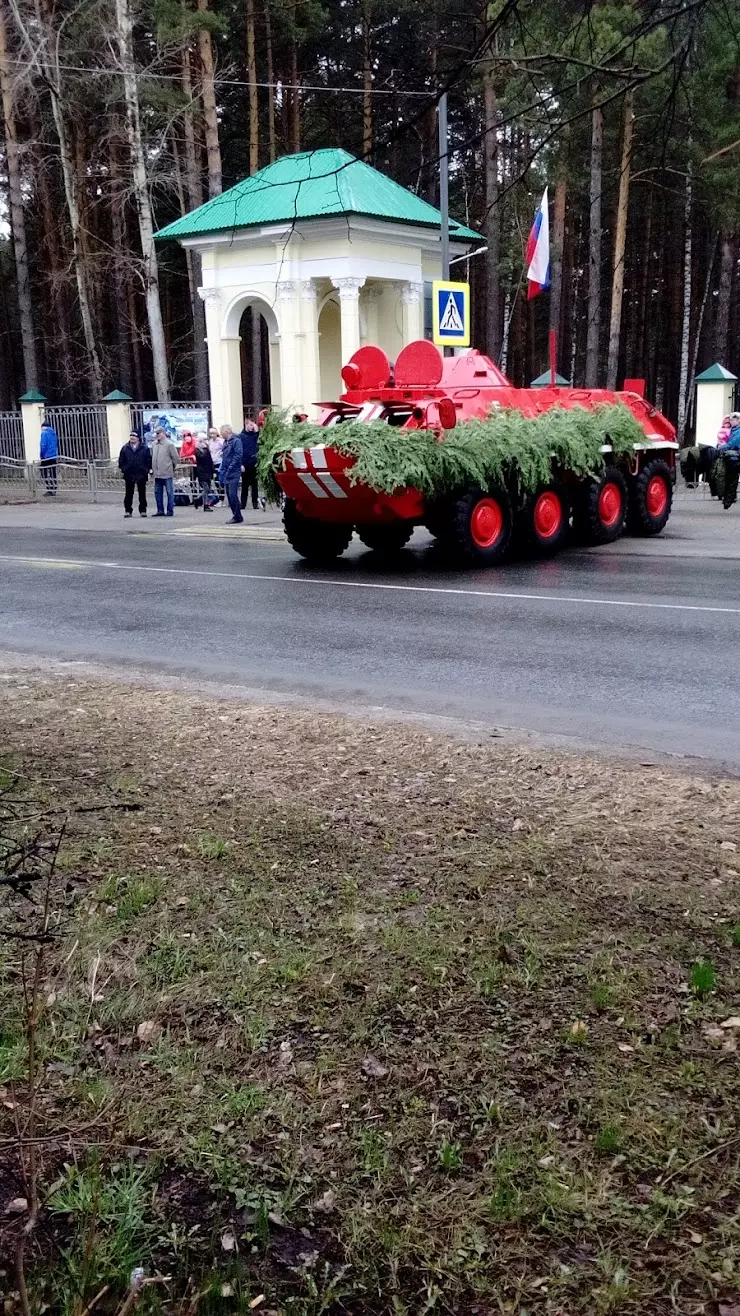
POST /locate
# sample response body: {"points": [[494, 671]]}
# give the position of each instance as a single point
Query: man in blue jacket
{"points": [[731, 454], [249, 438], [230, 471], [48, 454]]}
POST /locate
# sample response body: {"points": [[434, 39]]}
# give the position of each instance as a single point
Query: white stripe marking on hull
{"points": [[330, 483], [312, 485]]}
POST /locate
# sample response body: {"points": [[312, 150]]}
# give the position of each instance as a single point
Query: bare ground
{"points": [[423, 1025]]}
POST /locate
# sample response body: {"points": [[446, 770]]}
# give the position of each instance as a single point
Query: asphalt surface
{"points": [[630, 647]]}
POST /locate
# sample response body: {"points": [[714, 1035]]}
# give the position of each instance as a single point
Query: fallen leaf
{"points": [[696, 1238], [257, 1302], [17, 1206], [715, 1033], [149, 1031], [729, 1309], [228, 1240], [727, 845], [624, 1048], [373, 1068], [227, 1290], [544, 1161], [219, 1128], [517, 825], [326, 1202], [732, 1022]]}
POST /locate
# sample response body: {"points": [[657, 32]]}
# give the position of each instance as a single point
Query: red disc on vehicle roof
{"points": [[373, 365], [418, 363]]}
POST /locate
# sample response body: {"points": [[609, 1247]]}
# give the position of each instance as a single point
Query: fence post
{"points": [[32, 414], [118, 417]]}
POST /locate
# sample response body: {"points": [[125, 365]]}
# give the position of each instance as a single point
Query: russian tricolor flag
{"points": [[538, 251]]}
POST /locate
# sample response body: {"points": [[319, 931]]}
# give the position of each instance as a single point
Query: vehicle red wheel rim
{"points": [[610, 504], [548, 515], [656, 496], [486, 523]]}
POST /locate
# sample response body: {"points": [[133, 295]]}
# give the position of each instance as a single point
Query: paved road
{"points": [[630, 647]]}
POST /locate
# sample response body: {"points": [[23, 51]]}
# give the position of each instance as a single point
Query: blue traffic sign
{"points": [[451, 313]]}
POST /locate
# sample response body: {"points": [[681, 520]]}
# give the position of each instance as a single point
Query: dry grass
{"points": [[423, 1028]]}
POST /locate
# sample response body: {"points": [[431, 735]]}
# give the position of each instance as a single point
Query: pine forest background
{"points": [[120, 115]]}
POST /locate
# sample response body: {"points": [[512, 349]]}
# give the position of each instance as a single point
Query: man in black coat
{"points": [[135, 463]]}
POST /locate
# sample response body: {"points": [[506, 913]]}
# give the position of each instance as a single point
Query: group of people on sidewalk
{"points": [[222, 455]]}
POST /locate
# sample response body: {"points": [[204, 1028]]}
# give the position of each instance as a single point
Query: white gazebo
{"points": [[331, 254]]}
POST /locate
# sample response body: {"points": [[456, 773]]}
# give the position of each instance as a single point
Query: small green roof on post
{"points": [[716, 374], [116, 395], [543, 381], [33, 395]]}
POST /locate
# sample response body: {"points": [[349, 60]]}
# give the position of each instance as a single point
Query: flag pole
{"points": [[553, 356], [444, 185]]}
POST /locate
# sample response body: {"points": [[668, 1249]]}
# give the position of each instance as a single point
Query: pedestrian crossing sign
{"points": [[450, 314]]}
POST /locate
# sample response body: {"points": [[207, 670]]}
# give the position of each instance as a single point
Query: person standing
{"points": [[204, 469], [187, 447], [215, 446], [731, 454], [48, 455], [134, 463], [164, 464], [249, 440], [231, 470]]}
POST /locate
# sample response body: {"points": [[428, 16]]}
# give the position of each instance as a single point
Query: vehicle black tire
{"points": [[542, 525], [600, 509], [386, 539], [316, 541], [436, 518], [651, 496], [478, 527]]}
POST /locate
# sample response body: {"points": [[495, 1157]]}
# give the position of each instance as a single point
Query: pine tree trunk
{"points": [[52, 244], [683, 377], [254, 108], [639, 364], [120, 274], [492, 227], [594, 246], [620, 241], [367, 82], [700, 326], [728, 260], [210, 114], [270, 65], [558, 239], [295, 97], [124, 33], [17, 218], [49, 57], [194, 261]]}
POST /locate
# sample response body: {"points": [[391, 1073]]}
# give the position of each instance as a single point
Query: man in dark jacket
{"points": [[230, 471], [249, 439], [135, 463]]}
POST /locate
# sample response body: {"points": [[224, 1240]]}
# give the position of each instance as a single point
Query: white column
{"points": [[349, 307], [371, 301], [32, 414], [118, 419], [309, 345], [224, 365], [289, 322], [412, 303]]}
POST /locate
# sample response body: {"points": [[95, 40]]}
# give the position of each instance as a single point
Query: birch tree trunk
{"points": [[124, 332], [492, 226], [594, 246], [210, 114], [124, 33], [254, 108], [683, 375], [17, 219], [270, 65], [728, 260], [620, 240]]}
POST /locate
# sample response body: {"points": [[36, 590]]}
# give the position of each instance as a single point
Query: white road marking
{"points": [[372, 584]]}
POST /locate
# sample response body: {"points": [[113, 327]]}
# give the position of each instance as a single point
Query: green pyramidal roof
{"points": [[312, 185], [715, 374]]}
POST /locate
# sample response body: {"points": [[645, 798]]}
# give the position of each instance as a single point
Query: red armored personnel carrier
{"points": [[324, 507]]}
